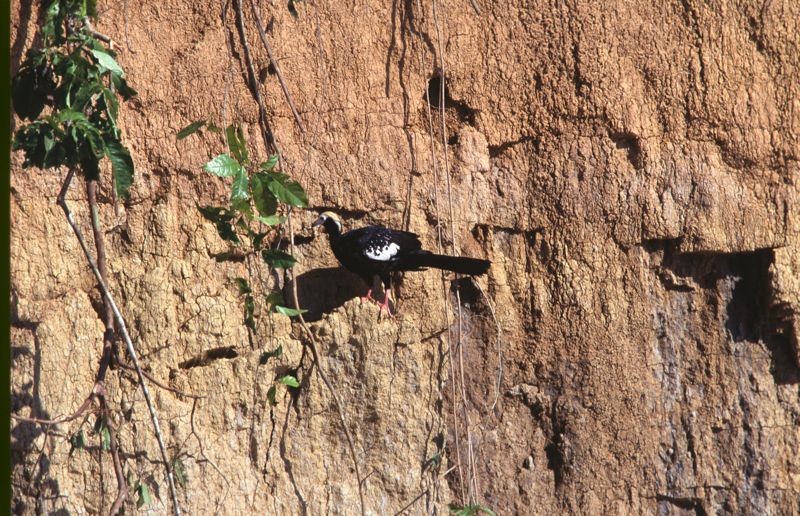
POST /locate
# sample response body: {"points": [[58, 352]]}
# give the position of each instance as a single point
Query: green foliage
{"points": [[256, 195], [289, 311], [469, 510], [223, 166], [289, 380], [180, 472], [68, 90], [101, 429], [278, 259], [77, 441], [257, 192], [142, 495], [277, 352]]}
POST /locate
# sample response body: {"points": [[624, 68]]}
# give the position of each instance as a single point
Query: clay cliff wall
{"points": [[630, 169]]}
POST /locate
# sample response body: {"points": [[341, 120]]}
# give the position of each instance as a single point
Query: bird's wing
{"points": [[382, 244]]}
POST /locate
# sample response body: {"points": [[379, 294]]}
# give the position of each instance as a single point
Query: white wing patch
{"points": [[382, 253]]}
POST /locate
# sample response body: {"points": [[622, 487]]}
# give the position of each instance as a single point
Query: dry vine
{"points": [[270, 142]]}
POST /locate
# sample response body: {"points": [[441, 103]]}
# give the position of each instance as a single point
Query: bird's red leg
{"points": [[368, 297], [385, 304]]}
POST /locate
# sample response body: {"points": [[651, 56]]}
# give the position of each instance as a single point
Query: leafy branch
{"points": [[252, 219], [68, 91]]}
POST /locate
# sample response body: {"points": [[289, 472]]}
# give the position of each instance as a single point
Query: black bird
{"points": [[379, 251]]}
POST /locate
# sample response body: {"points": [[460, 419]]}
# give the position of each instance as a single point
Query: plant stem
{"points": [[274, 61], [108, 344], [126, 336], [313, 345]]}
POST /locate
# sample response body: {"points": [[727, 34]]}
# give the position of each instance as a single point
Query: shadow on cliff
{"points": [[741, 281], [321, 290], [25, 433]]}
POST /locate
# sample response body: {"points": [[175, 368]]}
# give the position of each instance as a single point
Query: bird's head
{"points": [[330, 221]]}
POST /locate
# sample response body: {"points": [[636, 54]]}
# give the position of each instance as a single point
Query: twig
{"points": [[313, 345], [122, 485], [423, 493], [266, 132], [269, 141], [124, 331], [88, 27], [274, 61], [445, 298], [470, 456], [163, 386], [108, 344], [61, 419]]}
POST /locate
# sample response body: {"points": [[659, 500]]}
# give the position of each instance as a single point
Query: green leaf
{"points": [[213, 128], [434, 461], [469, 510], [223, 166], [121, 166], [244, 287], [278, 259], [268, 165], [107, 62], [112, 105], [269, 354], [289, 311], [271, 396], [265, 201], [274, 298], [180, 472], [101, 428], [239, 188], [272, 220], [249, 309], [77, 441], [68, 115], [143, 495], [289, 380], [105, 438], [190, 129], [236, 144], [287, 191]]}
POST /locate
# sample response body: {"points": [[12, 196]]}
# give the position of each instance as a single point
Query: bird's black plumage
{"points": [[379, 251]]}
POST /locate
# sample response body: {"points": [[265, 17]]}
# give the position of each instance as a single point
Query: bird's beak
{"points": [[318, 222]]}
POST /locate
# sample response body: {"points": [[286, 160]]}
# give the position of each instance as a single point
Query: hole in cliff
{"points": [[457, 108], [629, 143], [555, 459], [434, 91], [209, 356], [746, 309], [496, 150], [470, 295]]}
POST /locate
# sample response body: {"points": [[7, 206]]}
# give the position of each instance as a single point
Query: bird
{"points": [[372, 251]]}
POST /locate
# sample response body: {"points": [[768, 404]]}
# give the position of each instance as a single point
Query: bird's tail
{"points": [[459, 264]]}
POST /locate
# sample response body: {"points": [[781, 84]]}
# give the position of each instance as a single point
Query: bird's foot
{"points": [[369, 297], [385, 306]]}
